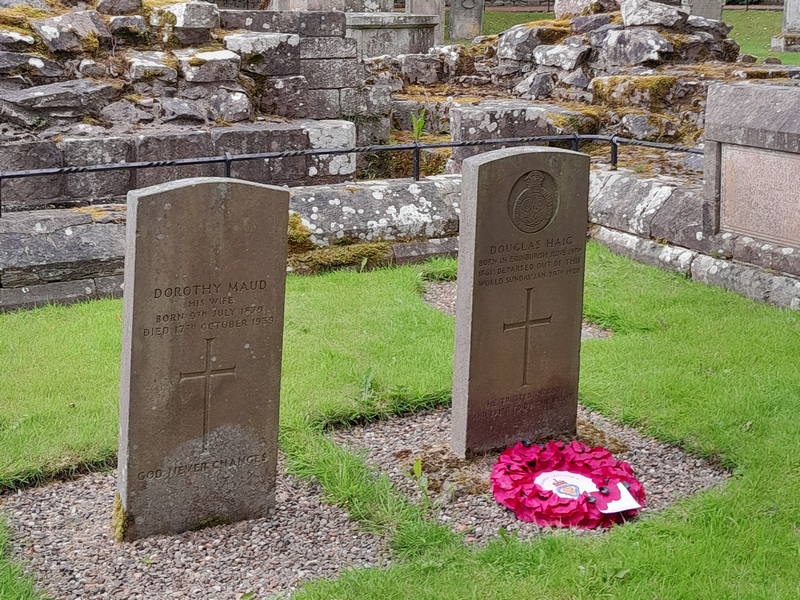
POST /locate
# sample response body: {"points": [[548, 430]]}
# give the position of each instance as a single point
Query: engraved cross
{"points": [[206, 375], [527, 324]]}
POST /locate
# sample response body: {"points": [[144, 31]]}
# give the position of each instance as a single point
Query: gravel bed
{"points": [[460, 492], [62, 536]]}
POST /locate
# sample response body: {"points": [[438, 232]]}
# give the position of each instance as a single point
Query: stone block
{"points": [[179, 109], [80, 152], [585, 24], [30, 192], [74, 252], [569, 8], [748, 281], [768, 256], [229, 106], [171, 146], [35, 65], [215, 66], [397, 209], [561, 56], [650, 252], [146, 66], [287, 96], [369, 100], [266, 53], [119, 7], [494, 119], [685, 219], [417, 252], [328, 135], [328, 47], [645, 13], [64, 292], [390, 33], [322, 24], [109, 287], [631, 47], [75, 32], [372, 130], [333, 73], [56, 102], [14, 41], [421, 68], [261, 20], [628, 203], [186, 15], [324, 104], [255, 138]]}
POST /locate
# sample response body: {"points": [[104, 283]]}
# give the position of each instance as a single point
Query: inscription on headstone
{"points": [[466, 19], [520, 297], [205, 273]]}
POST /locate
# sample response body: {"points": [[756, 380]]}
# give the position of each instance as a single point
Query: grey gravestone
{"points": [[205, 273], [518, 312], [466, 19], [430, 7], [789, 40], [708, 9], [752, 163]]}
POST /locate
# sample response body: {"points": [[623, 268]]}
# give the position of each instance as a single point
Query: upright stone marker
{"points": [[429, 7], [205, 272], [466, 19], [789, 40], [520, 297]]}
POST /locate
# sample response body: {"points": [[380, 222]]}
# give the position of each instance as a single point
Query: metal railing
{"points": [[228, 159]]}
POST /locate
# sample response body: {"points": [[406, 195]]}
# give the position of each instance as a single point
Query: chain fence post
{"points": [[614, 150], [416, 160]]}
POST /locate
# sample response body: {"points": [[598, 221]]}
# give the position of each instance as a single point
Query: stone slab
{"points": [[201, 354], [758, 194], [519, 308], [466, 19], [171, 146], [65, 292]]}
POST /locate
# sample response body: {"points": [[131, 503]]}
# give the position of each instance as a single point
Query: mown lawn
{"points": [[690, 364]]}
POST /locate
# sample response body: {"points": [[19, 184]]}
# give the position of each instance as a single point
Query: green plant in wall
{"points": [[418, 124]]}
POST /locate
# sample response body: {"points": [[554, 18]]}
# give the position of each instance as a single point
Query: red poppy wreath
{"points": [[566, 485]]}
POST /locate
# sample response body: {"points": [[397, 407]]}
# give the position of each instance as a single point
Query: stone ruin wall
{"points": [[169, 82], [203, 90]]}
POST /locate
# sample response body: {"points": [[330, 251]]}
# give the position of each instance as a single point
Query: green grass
{"points": [[690, 364], [12, 582], [753, 30], [495, 22]]}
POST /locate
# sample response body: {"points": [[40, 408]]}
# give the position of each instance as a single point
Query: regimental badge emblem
{"points": [[567, 489], [533, 202]]}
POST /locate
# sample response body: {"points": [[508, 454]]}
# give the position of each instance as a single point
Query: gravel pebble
{"points": [[460, 491], [62, 535]]}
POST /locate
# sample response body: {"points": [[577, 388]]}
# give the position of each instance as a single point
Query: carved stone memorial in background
{"points": [[520, 297], [466, 19], [205, 273]]}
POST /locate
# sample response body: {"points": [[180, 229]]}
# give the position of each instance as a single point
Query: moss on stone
{"points": [[657, 86], [369, 255], [299, 235], [120, 520], [196, 61], [765, 73], [91, 43], [20, 17]]}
